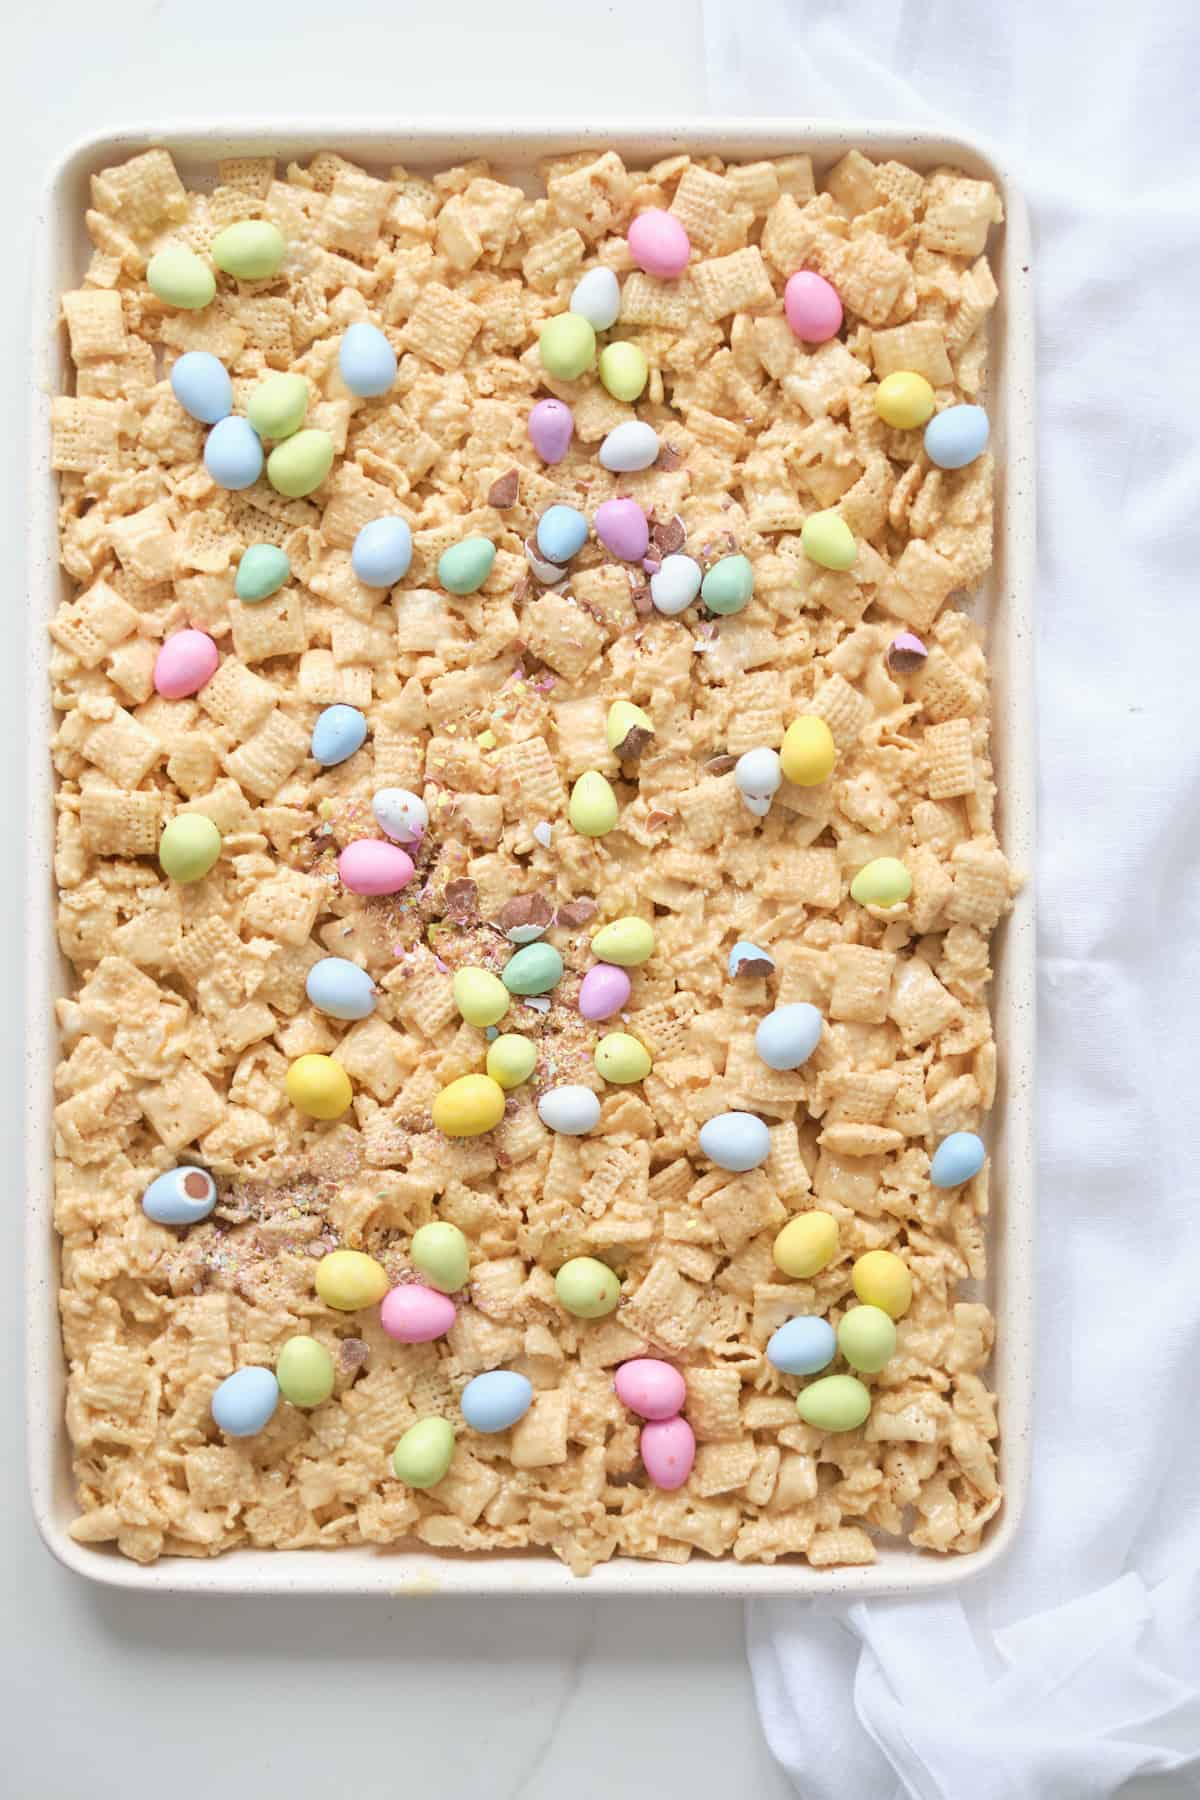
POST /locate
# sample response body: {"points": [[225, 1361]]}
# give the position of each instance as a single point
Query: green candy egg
{"points": [[189, 846], [628, 941], [277, 406], [424, 1453], [867, 1338], [593, 806], [300, 463], [304, 1371], [884, 882], [251, 249], [466, 566], [567, 345], [181, 278], [534, 970], [728, 585], [587, 1288], [442, 1254], [828, 540], [262, 572], [511, 1059], [623, 370], [835, 1403]]}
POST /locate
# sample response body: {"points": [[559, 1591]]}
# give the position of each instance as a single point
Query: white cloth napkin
{"points": [[1075, 1667]]}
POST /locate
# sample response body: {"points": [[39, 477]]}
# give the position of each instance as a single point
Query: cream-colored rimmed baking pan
{"points": [[1005, 608]]}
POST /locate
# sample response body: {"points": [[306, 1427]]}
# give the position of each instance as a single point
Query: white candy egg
{"points": [[757, 774], [629, 447], [597, 298], [675, 585], [403, 815]]}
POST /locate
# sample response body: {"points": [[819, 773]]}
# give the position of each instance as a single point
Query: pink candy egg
{"points": [[550, 430], [622, 528], [368, 866], [416, 1315], [659, 244], [604, 991], [812, 306], [650, 1388], [186, 661], [668, 1451]]}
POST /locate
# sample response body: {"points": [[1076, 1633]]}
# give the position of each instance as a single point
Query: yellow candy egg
{"points": [[480, 996], [904, 400], [808, 752], [806, 1244], [593, 807], [621, 1057], [628, 941], [628, 729], [318, 1087], [348, 1280], [882, 1279], [469, 1106], [884, 882], [511, 1059]]}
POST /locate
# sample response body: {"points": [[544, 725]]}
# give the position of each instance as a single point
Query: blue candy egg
{"points": [[340, 988], [735, 1140], [181, 1196], [337, 734], [748, 959], [366, 360], [561, 533], [382, 552], [494, 1401], [201, 385], [802, 1346], [957, 436], [956, 1159], [233, 454], [246, 1401], [787, 1037]]}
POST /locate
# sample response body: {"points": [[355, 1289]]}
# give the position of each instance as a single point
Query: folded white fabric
{"points": [[1074, 1668]]}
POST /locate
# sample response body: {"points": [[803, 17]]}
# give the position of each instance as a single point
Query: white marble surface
{"points": [[308, 1699]]}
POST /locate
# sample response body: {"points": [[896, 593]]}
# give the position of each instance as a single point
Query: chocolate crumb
{"points": [[633, 743], [353, 1353], [753, 966], [720, 765], [657, 818], [642, 603], [503, 493], [462, 900], [576, 912], [668, 539], [196, 1186], [525, 911], [668, 458]]}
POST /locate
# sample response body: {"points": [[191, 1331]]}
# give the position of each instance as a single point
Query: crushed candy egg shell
{"points": [[604, 990], [366, 360], [806, 1245], [867, 1338], [668, 1451], [511, 1059], [402, 814], [596, 297], [958, 1158], [623, 370], [244, 1403], [340, 988], [249, 249], [906, 653], [495, 1400], [551, 427], [835, 1403], [736, 1141], [650, 1387], [318, 1086], [535, 969], [955, 437], [181, 278], [675, 584], [464, 567], [883, 882], [808, 753], [826, 539], [802, 1346], [423, 1456], [305, 1373], [881, 1278], [788, 1035], [628, 941], [185, 661], [443, 1254], [300, 464], [349, 1280], [812, 307], [622, 722], [629, 447], [547, 573], [562, 531], [469, 1106], [382, 551], [622, 1058], [340, 730], [571, 1109], [587, 1288], [750, 959], [262, 572], [623, 529], [189, 846], [201, 384], [593, 809], [728, 585], [567, 346], [233, 454], [658, 243], [413, 1314], [757, 774], [480, 996], [277, 406], [368, 866], [181, 1196], [904, 400]]}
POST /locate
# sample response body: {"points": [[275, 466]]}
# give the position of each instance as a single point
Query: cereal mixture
{"points": [[189, 1003]]}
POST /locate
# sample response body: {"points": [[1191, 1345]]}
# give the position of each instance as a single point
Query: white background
{"points": [[112, 1697]]}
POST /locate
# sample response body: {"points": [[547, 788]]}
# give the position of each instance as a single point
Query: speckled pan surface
{"points": [[1004, 607]]}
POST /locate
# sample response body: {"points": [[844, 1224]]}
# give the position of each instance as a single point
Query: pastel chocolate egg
{"points": [[835, 1403], [424, 1454], [402, 814], [413, 1314], [201, 384], [812, 307], [233, 454], [570, 1108], [339, 731], [675, 584], [596, 297], [305, 1373], [629, 447], [244, 1403], [366, 360], [350, 1280], [650, 1387], [787, 1037], [604, 990], [802, 1346], [736, 1141], [587, 1288], [186, 660], [181, 1196], [340, 988], [534, 970], [867, 1338], [382, 552], [442, 1252], [561, 533], [469, 1106], [659, 244], [807, 1244], [622, 527], [668, 1450], [749, 960], [957, 436], [957, 1158], [551, 427], [496, 1400], [368, 866]]}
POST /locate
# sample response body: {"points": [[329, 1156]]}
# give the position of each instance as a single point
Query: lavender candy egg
{"points": [[604, 991], [622, 527], [551, 428]]}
